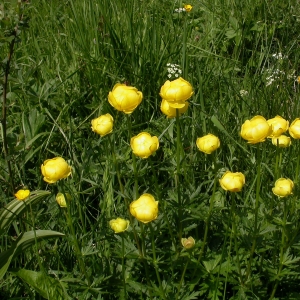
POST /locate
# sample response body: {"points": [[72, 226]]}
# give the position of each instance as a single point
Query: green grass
{"points": [[67, 56]]}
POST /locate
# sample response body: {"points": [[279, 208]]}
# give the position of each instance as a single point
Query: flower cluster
{"points": [[173, 70]]}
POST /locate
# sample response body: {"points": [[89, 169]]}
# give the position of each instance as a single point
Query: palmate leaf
{"points": [[46, 286], [23, 242], [16, 207]]}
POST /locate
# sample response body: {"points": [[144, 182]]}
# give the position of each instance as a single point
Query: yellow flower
{"points": [[61, 200], [125, 98], [118, 225], [103, 125], [279, 126], [294, 129], [176, 92], [188, 243], [256, 130], [232, 182], [283, 187], [22, 194], [169, 111], [143, 145], [282, 141], [55, 169], [188, 7], [208, 143], [145, 209], [298, 79]]}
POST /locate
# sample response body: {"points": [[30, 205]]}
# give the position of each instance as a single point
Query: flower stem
{"points": [[282, 247], [123, 267], [177, 179]]}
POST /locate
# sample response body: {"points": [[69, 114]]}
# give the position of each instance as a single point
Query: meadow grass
{"points": [[60, 60]]}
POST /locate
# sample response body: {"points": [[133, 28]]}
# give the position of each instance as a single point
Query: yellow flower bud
{"points": [[294, 129], [256, 130], [103, 125], [279, 126], [125, 98], [188, 7], [22, 194], [176, 92], [188, 243], [61, 200], [143, 145], [282, 141], [55, 169], [208, 143], [283, 187], [118, 225], [144, 209], [169, 111], [232, 182]]}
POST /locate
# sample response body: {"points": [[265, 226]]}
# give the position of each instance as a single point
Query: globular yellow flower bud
{"points": [[103, 125], [294, 129], [61, 200], [144, 209], [283, 187], [232, 182], [208, 143], [55, 169], [118, 225], [256, 130], [22, 194], [169, 111], [143, 145], [279, 126], [188, 7], [282, 141], [125, 98], [188, 243], [176, 92]]}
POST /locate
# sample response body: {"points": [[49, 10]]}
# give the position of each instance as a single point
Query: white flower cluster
{"points": [[275, 75], [243, 93], [179, 10], [173, 70]]}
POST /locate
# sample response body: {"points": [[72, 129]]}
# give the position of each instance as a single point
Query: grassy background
{"points": [[67, 60]]}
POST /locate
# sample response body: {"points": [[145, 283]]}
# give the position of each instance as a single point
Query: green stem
{"points": [[177, 179], [123, 267], [136, 184], [75, 242], [234, 230], [182, 279], [155, 264], [257, 196], [298, 165], [282, 247]]}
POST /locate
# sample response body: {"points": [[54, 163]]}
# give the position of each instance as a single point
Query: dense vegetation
{"points": [[60, 60]]}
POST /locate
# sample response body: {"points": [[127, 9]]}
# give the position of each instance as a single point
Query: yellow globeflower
{"points": [[61, 200], [176, 92], [282, 141], [118, 225], [294, 129], [279, 126], [103, 125], [143, 145], [169, 111], [22, 194], [125, 98], [144, 209], [256, 130], [188, 7], [283, 187], [232, 182], [208, 143], [188, 243], [55, 169]]}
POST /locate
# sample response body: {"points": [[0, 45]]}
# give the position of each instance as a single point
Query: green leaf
{"points": [[23, 242], [43, 284], [16, 207]]}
